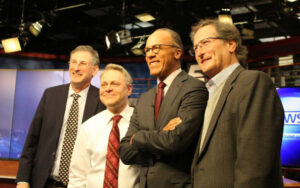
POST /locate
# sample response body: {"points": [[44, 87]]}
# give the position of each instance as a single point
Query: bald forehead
{"points": [[160, 37]]}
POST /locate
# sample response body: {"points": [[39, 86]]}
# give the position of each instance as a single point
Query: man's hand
{"points": [[23, 185], [172, 124], [131, 139]]}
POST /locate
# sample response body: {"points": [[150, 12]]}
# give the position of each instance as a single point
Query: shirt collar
{"points": [[82, 93], [169, 79], [221, 76], [126, 114]]}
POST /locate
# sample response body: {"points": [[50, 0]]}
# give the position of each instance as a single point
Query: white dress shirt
{"points": [[89, 156], [81, 105]]}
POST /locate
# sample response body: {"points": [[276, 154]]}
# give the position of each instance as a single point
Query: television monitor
{"points": [[290, 149]]}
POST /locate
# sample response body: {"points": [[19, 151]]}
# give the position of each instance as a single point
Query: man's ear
{"points": [[95, 70], [178, 54], [231, 46], [129, 89]]}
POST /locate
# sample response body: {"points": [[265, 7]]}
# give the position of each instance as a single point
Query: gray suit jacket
{"points": [[242, 146], [166, 156], [39, 151]]}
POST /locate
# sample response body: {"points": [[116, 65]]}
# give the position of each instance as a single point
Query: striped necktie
{"points": [[112, 156]]}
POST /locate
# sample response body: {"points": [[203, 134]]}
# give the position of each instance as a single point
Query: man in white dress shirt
{"points": [[89, 158]]}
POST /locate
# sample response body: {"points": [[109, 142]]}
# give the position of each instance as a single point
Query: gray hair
{"points": [[119, 68], [93, 52], [226, 31]]}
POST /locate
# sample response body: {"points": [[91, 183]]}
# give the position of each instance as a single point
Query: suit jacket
{"points": [[39, 151], [166, 156], [242, 145]]}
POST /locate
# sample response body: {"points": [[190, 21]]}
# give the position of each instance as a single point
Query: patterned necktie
{"points": [[159, 98], [112, 156], [69, 141]]}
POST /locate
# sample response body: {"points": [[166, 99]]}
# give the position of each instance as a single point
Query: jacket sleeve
{"points": [[259, 134], [130, 154], [154, 143], [191, 111]]}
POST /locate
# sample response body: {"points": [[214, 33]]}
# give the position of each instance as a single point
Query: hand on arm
{"points": [[172, 124], [169, 140], [23, 185]]}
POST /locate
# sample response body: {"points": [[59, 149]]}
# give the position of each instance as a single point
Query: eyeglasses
{"points": [[202, 44], [82, 64], [156, 48]]}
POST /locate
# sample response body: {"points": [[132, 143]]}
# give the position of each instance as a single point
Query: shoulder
{"points": [[57, 88], [148, 93], [190, 80], [94, 121], [249, 76], [93, 88]]}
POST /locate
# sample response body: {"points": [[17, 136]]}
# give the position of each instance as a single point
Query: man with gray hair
{"points": [[240, 142], [50, 140], [95, 162]]}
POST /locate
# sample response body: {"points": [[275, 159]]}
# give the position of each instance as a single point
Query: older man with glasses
{"points": [[153, 140], [240, 141]]}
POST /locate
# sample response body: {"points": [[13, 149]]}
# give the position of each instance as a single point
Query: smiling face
{"points": [[216, 55], [81, 70], [167, 60], [114, 91]]}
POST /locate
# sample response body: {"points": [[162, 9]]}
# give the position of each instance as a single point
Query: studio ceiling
{"points": [[75, 22]]}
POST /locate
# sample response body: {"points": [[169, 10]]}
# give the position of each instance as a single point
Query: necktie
{"points": [[69, 140], [159, 98], [112, 156]]}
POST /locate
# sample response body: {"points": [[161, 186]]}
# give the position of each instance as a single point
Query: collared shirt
{"points": [[218, 79], [214, 86], [169, 79], [81, 103], [89, 155]]}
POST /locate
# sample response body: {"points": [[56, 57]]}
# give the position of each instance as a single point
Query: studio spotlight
{"points": [[36, 27], [137, 49], [114, 38], [11, 45]]}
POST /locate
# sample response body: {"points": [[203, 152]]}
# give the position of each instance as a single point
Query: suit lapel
{"points": [[61, 101], [219, 107], [169, 99], [149, 108], [91, 103]]}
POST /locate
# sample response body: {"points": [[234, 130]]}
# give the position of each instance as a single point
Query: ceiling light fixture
{"points": [[36, 27], [114, 38], [11, 45], [225, 16], [137, 49], [145, 17], [16, 43]]}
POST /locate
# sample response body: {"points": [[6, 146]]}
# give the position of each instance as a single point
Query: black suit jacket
{"points": [[39, 151], [166, 156], [241, 148]]}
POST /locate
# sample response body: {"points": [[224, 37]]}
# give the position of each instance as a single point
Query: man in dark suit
{"points": [[152, 141], [40, 160], [240, 142]]}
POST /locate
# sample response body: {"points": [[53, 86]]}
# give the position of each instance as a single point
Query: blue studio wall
{"points": [[22, 82]]}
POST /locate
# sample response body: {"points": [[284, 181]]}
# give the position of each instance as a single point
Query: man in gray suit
{"points": [[240, 142], [152, 141]]}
